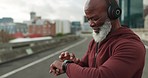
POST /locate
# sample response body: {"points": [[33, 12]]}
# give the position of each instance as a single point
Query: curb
{"points": [[12, 53]]}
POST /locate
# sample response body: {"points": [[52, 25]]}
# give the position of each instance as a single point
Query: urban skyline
{"points": [[19, 9], [58, 9]]}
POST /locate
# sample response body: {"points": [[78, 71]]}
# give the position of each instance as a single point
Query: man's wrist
{"points": [[65, 63]]}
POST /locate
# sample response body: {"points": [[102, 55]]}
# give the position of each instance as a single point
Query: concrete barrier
{"points": [[11, 52]]}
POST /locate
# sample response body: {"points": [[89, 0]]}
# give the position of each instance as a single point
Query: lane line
{"points": [[40, 60]]}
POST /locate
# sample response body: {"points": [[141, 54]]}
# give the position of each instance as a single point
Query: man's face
{"points": [[96, 13], [95, 20]]}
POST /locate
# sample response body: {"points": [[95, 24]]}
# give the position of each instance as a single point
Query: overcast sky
{"points": [[20, 10]]}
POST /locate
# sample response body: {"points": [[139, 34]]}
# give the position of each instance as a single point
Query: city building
{"points": [[6, 20], [32, 15], [14, 29], [146, 22], [41, 28], [75, 27], [85, 26], [132, 13], [38, 27], [19, 30], [63, 26]]}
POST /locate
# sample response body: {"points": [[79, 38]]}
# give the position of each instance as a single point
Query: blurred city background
{"points": [[34, 32]]}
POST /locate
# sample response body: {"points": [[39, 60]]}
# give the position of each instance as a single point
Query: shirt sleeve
{"points": [[126, 60]]}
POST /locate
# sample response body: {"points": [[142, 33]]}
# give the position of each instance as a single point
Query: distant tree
{"points": [[4, 37]]}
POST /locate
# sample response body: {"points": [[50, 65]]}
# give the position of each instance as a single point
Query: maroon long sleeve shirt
{"points": [[120, 55]]}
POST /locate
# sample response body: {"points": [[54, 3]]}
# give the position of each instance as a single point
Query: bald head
{"points": [[95, 4], [96, 12]]}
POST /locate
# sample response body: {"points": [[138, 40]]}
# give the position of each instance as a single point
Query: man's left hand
{"points": [[56, 68]]}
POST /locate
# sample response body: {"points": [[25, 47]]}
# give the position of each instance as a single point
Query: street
{"points": [[37, 65]]}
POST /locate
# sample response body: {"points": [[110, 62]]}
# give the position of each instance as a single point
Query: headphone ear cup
{"points": [[114, 12], [109, 12]]}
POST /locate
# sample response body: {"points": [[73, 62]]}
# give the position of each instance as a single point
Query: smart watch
{"points": [[65, 63]]}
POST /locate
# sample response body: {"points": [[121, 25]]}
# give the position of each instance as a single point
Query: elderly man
{"points": [[114, 52]]}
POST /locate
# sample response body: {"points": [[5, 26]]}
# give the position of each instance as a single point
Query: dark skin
{"points": [[96, 17], [56, 66], [96, 12]]}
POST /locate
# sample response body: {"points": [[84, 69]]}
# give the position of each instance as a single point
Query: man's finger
{"points": [[66, 54], [72, 56], [77, 60], [62, 55], [57, 71], [52, 69]]}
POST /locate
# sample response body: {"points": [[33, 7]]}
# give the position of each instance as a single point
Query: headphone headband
{"points": [[111, 2], [114, 10]]}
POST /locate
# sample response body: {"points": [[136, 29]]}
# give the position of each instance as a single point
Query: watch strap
{"points": [[65, 63]]}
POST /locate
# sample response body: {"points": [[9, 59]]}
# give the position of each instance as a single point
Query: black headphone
{"points": [[113, 11]]}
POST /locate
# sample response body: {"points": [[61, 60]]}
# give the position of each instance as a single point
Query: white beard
{"points": [[104, 30]]}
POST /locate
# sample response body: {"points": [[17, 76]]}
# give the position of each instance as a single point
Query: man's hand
{"points": [[56, 68], [69, 56]]}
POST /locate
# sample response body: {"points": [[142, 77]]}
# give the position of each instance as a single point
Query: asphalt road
{"points": [[37, 66]]}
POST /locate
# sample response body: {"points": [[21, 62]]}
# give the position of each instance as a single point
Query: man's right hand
{"points": [[69, 56]]}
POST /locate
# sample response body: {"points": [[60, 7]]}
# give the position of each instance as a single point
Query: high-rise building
{"points": [[132, 13], [32, 15]]}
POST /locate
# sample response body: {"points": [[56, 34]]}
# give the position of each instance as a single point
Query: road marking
{"points": [[40, 60]]}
